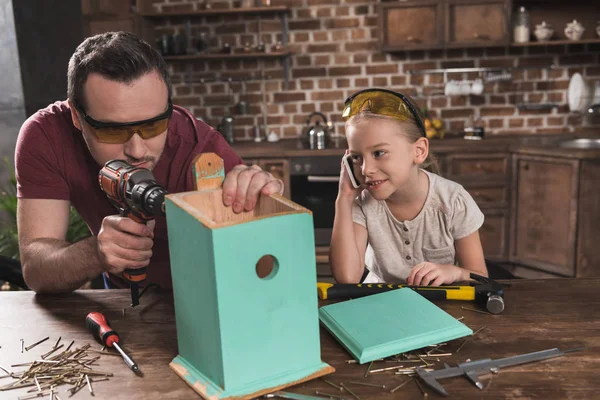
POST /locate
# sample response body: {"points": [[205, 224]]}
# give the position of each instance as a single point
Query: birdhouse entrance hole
{"points": [[267, 267]]}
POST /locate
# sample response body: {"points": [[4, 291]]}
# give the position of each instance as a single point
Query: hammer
{"points": [[486, 291]]}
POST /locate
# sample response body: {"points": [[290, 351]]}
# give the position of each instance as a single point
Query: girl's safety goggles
{"points": [[119, 133], [382, 102]]}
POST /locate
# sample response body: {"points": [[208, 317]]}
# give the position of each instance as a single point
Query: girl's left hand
{"points": [[430, 274]]}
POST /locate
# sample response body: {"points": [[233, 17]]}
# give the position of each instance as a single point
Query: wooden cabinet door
{"points": [[411, 25], [477, 23], [280, 169], [493, 234], [545, 213]]}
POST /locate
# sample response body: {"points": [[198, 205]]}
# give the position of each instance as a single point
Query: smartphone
{"points": [[350, 169]]}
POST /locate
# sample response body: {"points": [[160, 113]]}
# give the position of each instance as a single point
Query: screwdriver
{"points": [[97, 323]]}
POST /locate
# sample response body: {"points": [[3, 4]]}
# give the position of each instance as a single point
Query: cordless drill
{"points": [[135, 193]]}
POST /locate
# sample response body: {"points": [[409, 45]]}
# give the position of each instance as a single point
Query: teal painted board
{"points": [[195, 294], [389, 323], [240, 334]]}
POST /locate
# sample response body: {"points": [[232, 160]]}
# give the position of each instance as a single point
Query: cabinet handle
{"points": [[481, 167], [482, 37], [483, 196], [526, 167], [412, 39]]}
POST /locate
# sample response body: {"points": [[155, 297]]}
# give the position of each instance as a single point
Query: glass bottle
{"points": [[521, 26]]}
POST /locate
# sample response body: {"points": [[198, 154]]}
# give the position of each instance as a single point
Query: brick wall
{"points": [[336, 54]]}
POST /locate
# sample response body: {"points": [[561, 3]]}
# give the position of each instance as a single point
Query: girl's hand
{"points": [[346, 190], [430, 274]]}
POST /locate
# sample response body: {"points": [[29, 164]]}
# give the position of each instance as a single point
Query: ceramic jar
{"points": [[543, 31], [574, 30]]}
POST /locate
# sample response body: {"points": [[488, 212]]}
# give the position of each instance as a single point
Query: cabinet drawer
{"points": [[477, 23], [493, 166], [493, 234], [280, 169], [411, 25], [489, 196]]}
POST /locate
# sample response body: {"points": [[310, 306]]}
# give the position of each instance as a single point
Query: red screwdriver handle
{"points": [[98, 325]]}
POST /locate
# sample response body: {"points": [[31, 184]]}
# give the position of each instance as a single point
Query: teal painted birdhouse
{"points": [[244, 289]]}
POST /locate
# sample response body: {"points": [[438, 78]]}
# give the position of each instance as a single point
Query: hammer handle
{"points": [[328, 291]]}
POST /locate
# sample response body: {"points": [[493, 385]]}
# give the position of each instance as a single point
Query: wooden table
{"points": [[539, 314]]}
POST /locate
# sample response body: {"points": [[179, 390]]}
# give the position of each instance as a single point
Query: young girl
{"points": [[403, 223]]}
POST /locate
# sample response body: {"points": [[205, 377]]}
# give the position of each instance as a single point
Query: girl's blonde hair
{"points": [[409, 128]]}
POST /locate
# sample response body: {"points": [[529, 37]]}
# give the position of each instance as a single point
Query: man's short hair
{"points": [[118, 56]]}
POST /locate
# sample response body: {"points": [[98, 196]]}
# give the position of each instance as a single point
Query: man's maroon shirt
{"points": [[53, 162]]}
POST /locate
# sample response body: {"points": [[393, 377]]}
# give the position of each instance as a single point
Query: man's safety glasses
{"points": [[119, 133], [382, 102]]}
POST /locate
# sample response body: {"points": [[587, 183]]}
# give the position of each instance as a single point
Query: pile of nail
{"points": [[69, 367]]}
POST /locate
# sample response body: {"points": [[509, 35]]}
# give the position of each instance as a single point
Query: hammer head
{"points": [[490, 293]]}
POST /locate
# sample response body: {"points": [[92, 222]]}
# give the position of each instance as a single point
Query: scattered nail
{"points": [[478, 311], [368, 369], [350, 391], [368, 384], [332, 384], [420, 387], [399, 386], [36, 343]]}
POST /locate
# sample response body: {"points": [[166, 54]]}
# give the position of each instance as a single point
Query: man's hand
{"points": [[243, 185], [124, 244], [430, 274]]}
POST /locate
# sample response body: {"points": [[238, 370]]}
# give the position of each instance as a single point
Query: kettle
{"points": [[226, 128], [317, 135]]}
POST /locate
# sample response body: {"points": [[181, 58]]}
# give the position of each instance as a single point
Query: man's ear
{"points": [[75, 116], [421, 149]]}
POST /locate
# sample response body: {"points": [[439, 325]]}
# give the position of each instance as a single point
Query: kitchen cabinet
{"points": [[411, 25], [476, 23], [486, 176], [434, 24], [278, 167], [555, 215], [494, 233]]}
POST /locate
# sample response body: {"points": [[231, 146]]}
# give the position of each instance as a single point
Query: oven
{"points": [[314, 184]]}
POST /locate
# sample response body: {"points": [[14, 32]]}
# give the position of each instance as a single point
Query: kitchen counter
{"points": [[533, 144]]}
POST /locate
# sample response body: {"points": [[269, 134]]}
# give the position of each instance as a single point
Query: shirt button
{"points": [[407, 242], [405, 229], [408, 257]]}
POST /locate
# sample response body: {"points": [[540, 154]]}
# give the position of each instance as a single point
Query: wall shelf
{"points": [[213, 12], [555, 42], [147, 13], [229, 56]]}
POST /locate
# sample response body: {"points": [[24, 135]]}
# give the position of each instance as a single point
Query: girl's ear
{"points": [[421, 150]]}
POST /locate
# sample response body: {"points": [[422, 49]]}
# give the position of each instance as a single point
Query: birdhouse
{"points": [[244, 289]]}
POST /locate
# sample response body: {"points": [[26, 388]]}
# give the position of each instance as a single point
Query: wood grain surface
{"points": [[539, 314]]}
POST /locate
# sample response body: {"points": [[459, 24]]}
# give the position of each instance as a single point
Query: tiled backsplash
{"points": [[336, 53]]}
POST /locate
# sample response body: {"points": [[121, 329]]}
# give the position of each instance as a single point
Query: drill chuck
{"points": [[133, 190], [149, 197]]}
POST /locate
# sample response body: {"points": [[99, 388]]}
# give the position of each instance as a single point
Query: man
{"points": [[114, 79]]}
